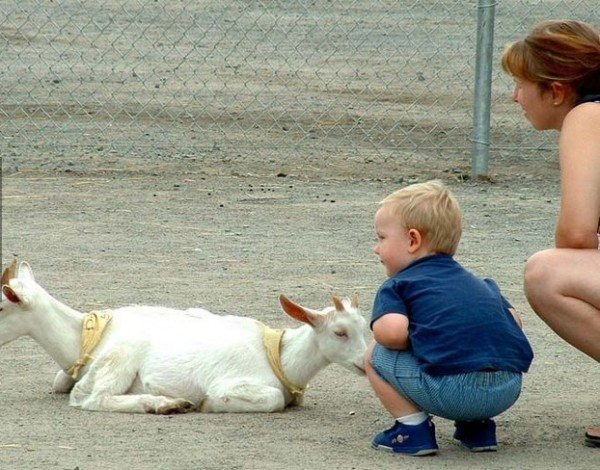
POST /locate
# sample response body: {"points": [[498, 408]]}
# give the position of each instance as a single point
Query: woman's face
{"points": [[537, 105]]}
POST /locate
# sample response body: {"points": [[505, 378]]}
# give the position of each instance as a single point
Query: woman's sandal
{"points": [[592, 437]]}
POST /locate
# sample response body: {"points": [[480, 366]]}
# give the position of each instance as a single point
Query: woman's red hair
{"points": [[566, 51]]}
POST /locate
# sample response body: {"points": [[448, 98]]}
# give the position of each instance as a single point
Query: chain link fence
{"points": [[308, 78]]}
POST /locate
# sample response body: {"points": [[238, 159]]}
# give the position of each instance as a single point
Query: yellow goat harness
{"points": [[94, 324], [272, 342]]}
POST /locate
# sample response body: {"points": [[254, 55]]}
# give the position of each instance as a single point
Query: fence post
{"points": [[480, 151]]}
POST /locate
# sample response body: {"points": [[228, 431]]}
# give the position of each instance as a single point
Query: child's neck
{"points": [[423, 252]]}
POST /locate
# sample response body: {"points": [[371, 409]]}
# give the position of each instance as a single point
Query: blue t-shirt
{"points": [[457, 322]]}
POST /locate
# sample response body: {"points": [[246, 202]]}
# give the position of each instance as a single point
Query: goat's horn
{"points": [[9, 273], [354, 300], [339, 305]]}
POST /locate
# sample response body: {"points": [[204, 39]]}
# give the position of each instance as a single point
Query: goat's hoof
{"points": [[178, 405], [63, 382]]}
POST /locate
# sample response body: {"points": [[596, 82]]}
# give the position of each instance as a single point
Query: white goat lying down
{"points": [[162, 360]]}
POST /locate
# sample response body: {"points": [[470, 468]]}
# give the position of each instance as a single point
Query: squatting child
{"points": [[447, 343]]}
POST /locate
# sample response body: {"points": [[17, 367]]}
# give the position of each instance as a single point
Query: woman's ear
{"points": [[560, 93], [416, 240]]}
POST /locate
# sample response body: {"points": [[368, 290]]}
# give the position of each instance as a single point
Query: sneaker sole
{"points": [[419, 453], [490, 448], [481, 449]]}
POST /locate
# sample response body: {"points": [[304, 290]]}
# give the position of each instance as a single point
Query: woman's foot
{"points": [[592, 437]]}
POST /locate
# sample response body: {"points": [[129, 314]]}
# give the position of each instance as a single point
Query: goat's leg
{"points": [[103, 388], [63, 382], [244, 397], [143, 403]]}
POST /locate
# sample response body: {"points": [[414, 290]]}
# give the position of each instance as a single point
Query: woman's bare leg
{"points": [[563, 288]]}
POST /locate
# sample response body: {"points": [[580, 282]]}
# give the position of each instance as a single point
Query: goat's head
{"points": [[18, 298], [340, 330]]}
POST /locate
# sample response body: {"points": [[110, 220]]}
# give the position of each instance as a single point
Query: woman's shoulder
{"points": [[585, 114], [581, 127]]}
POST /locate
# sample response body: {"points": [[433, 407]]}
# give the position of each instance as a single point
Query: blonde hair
{"points": [[431, 209], [565, 51]]}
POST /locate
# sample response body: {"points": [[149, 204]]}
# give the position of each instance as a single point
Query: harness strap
{"points": [[94, 324], [272, 342]]}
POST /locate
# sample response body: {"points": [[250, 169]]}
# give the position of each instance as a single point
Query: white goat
{"points": [[161, 360]]}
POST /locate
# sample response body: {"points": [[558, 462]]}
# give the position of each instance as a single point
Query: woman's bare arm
{"points": [[580, 178]]}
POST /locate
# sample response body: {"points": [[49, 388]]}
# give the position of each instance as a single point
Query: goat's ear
{"points": [[337, 302], [10, 294], [354, 300], [300, 313], [25, 271], [9, 273]]}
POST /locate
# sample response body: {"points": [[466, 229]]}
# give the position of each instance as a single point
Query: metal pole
{"points": [[486, 10]]}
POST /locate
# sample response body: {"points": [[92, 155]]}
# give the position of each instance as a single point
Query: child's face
{"points": [[393, 242]]}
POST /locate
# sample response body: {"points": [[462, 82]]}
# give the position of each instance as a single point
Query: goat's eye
{"points": [[341, 334]]}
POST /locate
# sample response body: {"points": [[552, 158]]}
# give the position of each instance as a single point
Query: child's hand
{"points": [[517, 317]]}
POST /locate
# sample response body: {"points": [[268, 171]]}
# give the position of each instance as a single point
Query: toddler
{"points": [[446, 342]]}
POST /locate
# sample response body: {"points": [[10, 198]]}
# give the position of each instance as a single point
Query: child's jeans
{"points": [[459, 397]]}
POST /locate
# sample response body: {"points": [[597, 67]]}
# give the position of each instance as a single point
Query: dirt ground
{"points": [[117, 197], [181, 236]]}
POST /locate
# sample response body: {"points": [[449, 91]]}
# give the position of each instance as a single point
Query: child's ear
{"points": [[416, 240]]}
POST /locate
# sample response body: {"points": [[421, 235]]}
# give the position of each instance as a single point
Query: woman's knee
{"points": [[541, 280], [538, 270]]}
